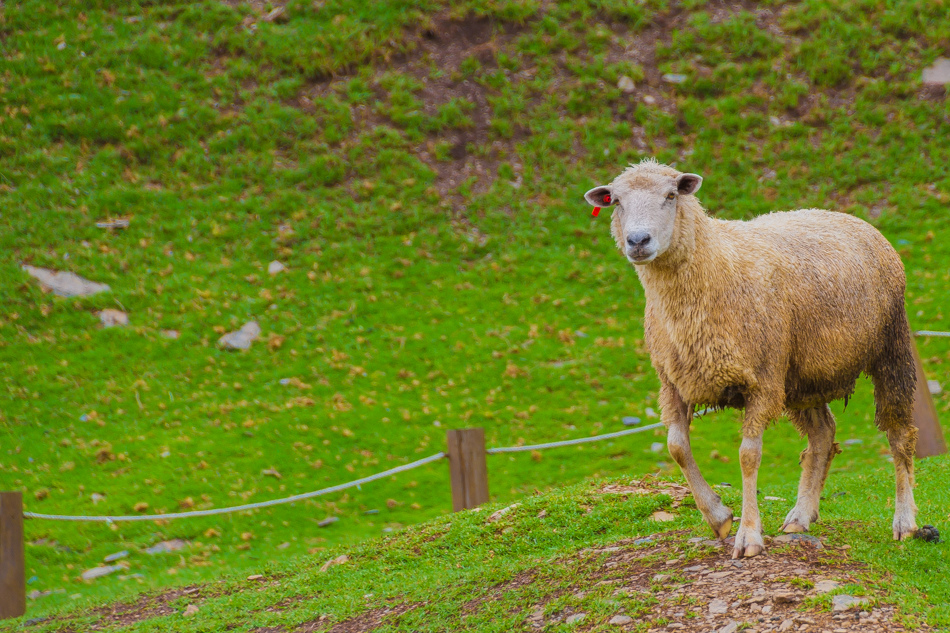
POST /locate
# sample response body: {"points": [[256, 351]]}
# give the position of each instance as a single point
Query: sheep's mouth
{"points": [[641, 258]]}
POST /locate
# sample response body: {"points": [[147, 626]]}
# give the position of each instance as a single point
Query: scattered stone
{"points": [[649, 100], [65, 284], [785, 598], [167, 546], [626, 84], [114, 557], [497, 514], [661, 577], [277, 16], [934, 387], [189, 611], [826, 586], [845, 602], [339, 560], [576, 618], [786, 625], [99, 572], [327, 521], [172, 334], [774, 499], [663, 516], [939, 73], [630, 421], [119, 223], [241, 339], [275, 267], [804, 538], [643, 541], [928, 533], [650, 412], [853, 442], [674, 78], [718, 607], [731, 627], [113, 318], [656, 447], [272, 472], [96, 498], [620, 620], [256, 577]]}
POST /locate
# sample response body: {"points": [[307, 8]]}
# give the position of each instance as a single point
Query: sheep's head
{"points": [[646, 197]]}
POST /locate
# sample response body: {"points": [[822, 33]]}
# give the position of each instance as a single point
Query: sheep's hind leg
{"points": [[676, 417], [819, 425]]}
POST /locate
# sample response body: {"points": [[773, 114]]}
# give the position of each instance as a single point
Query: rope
{"points": [[582, 440], [249, 506], [931, 333], [337, 488]]}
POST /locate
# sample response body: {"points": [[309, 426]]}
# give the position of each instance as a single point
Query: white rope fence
{"points": [[931, 333], [583, 440], [316, 493]]}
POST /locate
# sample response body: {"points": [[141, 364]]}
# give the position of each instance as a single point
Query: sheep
{"points": [[777, 314]]}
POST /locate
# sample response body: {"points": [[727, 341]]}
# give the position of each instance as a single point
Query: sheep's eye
{"points": [[670, 195]]}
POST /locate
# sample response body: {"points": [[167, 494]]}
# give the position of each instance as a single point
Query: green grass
{"points": [[410, 306]]}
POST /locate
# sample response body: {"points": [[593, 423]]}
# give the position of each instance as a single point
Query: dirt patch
{"points": [[699, 588], [147, 607], [644, 487], [368, 621]]}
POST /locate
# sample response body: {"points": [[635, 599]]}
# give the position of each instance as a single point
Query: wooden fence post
{"points": [[12, 574], [468, 468], [930, 435]]}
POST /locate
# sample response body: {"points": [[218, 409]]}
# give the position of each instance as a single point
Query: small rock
{"points": [[674, 78], [167, 546], [663, 516], [241, 339], [256, 577], [826, 586], [65, 284], [576, 618], [96, 498], [939, 73], [189, 611], [277, 16], [845, 602], [620, 620], [120, 223], [275, 267], [327, 521], [339, 560], [113, 318], [650, 412], [497, 514], [804, 538], [643, 541], [99, 572], [656, 447], [630, 421], [718, 607], [786, 624], [649, 100], [774, 499], [784, 598], [934, 387], [626, 84], [118, 555], [853, 442], [660, 577], [731, 627], [172, 334]]}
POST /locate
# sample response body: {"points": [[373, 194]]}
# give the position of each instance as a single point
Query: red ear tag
{"points": [[596, 211], [606, 198]]}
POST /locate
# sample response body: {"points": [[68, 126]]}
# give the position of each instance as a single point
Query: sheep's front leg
{"points": [[676, 416], [749, 537]]}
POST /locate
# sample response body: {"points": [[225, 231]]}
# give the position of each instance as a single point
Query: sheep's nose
{"points": [[638, 239]]}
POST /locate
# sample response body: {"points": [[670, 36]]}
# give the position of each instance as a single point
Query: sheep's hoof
{"points": [[904, 528], [748, 543], [724, 528]]}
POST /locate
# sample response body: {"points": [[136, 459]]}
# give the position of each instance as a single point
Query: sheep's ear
{"points": [[688, 183], [600, 197]]}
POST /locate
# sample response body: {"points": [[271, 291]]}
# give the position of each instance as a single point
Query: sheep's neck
{"points": [[686, 280]]}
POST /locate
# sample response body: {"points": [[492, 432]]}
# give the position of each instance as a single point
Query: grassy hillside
{"points": [[418, 169], [591, 552]]}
